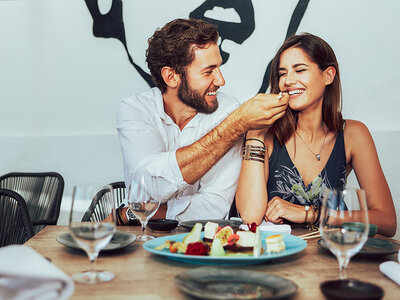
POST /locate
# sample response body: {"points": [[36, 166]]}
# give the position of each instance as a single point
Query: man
{"points": [[180, 132]]}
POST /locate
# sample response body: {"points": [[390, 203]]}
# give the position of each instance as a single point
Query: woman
{"points": [[311, 147]]}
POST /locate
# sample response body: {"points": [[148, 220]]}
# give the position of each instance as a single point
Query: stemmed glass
{"points": [[143, 199], [344, 223], [92, 236]]}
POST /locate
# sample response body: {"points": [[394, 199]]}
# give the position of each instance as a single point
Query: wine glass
{"points": [[92, 236], [143, 199], [344, 223]]}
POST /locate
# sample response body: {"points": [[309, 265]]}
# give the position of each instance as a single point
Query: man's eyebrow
{"points": [[210, 67]]}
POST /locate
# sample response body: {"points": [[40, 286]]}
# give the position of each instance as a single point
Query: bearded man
{"points": [[186, 131]]}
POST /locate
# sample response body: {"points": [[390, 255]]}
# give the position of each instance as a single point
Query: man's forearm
{"points": [[196, 159]]}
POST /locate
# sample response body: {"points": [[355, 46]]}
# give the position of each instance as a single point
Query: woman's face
{"points": [[302, 79]]}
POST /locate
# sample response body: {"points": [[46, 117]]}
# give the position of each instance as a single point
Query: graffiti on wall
{"points": [[111, 25]]}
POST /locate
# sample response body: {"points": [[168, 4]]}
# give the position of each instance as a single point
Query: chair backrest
{"points": [[15, 223], [96, 211], [42, 193]]}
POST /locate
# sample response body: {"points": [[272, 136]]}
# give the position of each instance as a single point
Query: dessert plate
{"points": [[221, 222], [220, 283], [373, 248], [120, 240], [293, 245]]}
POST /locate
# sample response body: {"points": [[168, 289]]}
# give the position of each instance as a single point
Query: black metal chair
{"points": [[15, 223], [96, 211], [42, 193]]}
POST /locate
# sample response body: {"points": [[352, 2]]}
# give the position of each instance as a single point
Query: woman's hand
{"points": [[279, 209]]}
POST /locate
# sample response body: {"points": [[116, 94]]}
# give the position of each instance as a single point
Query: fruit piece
{"points": [[210, 229], [197, 248], [253, 227], [194, 235], [232, 239], [223, 234], [172, 249], [216, 248], [257, 243], [163, 246], [180, 247]]}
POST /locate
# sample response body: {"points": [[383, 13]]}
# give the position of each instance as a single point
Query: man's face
{"points": [[201, 80]]}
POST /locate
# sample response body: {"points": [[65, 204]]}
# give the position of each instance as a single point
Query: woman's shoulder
{"points": [[356, 132], [354, 127]]}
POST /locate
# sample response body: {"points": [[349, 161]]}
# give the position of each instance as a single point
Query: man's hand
{"points": [[279, 209], [261, 111]]}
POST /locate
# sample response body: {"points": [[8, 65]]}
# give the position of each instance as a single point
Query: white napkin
{"points": [[269, 226], [391, 269], [25, 274]]}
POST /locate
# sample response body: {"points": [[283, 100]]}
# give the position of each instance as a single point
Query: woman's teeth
{"points": [[296, 92]]}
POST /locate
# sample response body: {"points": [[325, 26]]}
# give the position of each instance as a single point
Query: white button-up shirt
{"points": [[149, 139]]}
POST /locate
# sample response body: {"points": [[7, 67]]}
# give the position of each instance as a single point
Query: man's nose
{"points": [[218, 78]]}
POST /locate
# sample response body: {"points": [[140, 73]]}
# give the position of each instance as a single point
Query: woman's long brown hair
{"points": [[322, 54]]}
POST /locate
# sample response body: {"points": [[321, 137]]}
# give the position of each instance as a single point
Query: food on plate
{"points": [[257, 249], [216, 248], [223, 234], [223, 241], [210, 229], [275, 243], [194, 235]]}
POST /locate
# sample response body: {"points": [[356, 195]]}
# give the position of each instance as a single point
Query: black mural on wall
{"points": [[111, 25]]}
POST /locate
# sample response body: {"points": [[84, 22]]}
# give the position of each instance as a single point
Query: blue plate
{"points": [[293, 245]]}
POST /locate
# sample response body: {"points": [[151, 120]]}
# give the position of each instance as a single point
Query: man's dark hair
{"points": [[172, 46]]}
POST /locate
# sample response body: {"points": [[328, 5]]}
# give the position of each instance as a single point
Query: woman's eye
{"points": [[281, 74], [301, 70]]}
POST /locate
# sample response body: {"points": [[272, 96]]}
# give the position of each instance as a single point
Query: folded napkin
{"points": [[269, 226], [391, 269], [25, 274]]}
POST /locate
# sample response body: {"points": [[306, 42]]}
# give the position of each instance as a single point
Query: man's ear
{"points": [[171, 78], [330, 73]]}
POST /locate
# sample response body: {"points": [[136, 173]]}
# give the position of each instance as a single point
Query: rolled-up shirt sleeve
{"points": [[143, 148]]}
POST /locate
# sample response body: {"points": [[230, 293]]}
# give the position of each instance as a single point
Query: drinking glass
{"points": [[143, 199], [344, 223], [92, 236]]}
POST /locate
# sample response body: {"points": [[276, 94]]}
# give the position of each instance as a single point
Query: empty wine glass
{"points": [[344, 223], [143, 199], [92, 236]]}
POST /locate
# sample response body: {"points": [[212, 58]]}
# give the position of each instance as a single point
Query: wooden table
{"points": [[141, 275]]}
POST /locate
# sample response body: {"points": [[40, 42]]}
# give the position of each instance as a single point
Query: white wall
{"points": [[60, 86]]}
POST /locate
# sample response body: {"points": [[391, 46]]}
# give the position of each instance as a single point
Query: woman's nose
{"points": [[290, 78]]}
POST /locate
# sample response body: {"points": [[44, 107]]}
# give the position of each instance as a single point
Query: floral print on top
{"points": [[286, 182]]}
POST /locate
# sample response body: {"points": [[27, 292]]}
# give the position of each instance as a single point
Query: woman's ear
{"points": [[171, 78], [329, 73]]}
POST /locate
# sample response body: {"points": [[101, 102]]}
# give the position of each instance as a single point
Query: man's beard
{"points": [[194, 99]]}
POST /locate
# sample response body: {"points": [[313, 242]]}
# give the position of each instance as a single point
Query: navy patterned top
{"points": [[286, 182]]}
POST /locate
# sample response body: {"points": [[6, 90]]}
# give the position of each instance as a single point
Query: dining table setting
{"points": [[144, 273], [95, 258]]}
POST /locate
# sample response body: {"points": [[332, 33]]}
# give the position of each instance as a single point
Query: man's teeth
{"points": [[296, 92], [212, 93]]}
